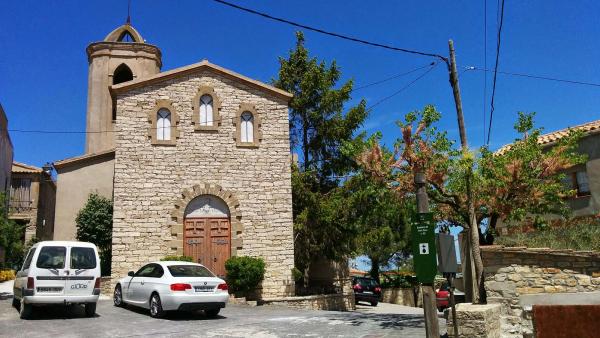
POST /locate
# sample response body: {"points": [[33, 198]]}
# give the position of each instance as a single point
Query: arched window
{"points": [[247, 127], [206, 110], [122, 74], [163, 125]]}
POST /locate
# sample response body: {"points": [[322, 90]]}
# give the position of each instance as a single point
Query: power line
{"points": [[539, 77], [484, 65], [392, 77], [495, 71], [341, 36], [403, 88]]}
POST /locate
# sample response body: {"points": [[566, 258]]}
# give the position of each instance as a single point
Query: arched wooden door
{"points": [[207, 235]]}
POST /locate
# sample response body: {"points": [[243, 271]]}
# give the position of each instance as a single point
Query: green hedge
{"points": [[244, 273]]}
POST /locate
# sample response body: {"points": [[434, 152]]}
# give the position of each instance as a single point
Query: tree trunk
{"points": [[374, 268]]}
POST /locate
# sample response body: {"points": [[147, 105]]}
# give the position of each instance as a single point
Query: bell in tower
{"points": [[122, 56]]}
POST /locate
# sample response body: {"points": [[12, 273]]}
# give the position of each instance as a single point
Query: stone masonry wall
{"points": [[513, 274], [150, 179]]}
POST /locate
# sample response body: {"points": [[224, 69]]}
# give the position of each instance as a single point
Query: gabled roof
{"points": [[588, 128], [83, 158], [204, 64], [18, 167]]}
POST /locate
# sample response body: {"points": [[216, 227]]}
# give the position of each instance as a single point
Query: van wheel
{"points": [[156, 310], [25, 309], [374, 303], [90, 309], [212, 313], [118, 296], [15, 303]]}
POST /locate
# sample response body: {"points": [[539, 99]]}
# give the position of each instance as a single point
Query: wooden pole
{"points": [[473, 226], [432, 325]]}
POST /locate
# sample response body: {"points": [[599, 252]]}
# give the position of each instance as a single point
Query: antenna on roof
{"points": [[128, 10]]}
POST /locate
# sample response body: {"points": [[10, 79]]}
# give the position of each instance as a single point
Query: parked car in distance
{"points": [[442, 297], [58, 272], [172, 286], [366, 289]]}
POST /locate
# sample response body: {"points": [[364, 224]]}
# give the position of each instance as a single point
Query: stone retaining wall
{"points": [[514, 275], [402, 296], [336, 302]]}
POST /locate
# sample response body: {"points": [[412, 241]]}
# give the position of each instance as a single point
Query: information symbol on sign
{"points": [[424, 248]]}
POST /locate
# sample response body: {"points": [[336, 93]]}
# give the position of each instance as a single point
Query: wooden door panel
{"points": [[208, 242]]}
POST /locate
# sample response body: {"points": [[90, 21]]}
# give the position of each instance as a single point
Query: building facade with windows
{"points": [[196, 160], [584, 179], [32, 201], [6, 154]]}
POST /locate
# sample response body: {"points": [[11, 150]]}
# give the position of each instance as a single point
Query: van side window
{"points": [[52, 257], [27, 262], [83, 258]]}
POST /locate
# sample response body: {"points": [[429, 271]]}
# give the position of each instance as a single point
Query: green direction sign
{"points": [[423, 245]]}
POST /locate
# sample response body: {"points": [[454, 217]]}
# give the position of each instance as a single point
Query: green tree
{"points": [[520, 180], [11, 237], [381, 217], [318, 129], [94, 224]]}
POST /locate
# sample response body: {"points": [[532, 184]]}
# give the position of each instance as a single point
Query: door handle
{"points": [[142, 282], [214, 259]]}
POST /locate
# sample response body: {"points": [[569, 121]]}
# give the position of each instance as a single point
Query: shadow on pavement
{"points": [[47, 312], [173, 315], [384, 320]]}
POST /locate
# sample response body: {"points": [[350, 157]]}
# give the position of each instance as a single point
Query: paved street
{"points": [[235, 321]]}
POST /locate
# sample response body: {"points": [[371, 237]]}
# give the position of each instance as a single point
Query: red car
{"points": [[442, 297]]}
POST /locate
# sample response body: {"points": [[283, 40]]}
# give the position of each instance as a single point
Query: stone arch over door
{"points": [[178, 215]]}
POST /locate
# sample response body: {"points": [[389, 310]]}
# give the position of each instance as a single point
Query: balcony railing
{"points": [[19, 207]]}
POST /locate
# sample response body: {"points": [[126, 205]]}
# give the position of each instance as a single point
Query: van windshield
{"points": [[83, 258], [52, 257]]}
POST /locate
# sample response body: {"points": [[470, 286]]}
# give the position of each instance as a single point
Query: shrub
{"points": [[581, 234], [404, 281], [177, 258], [244, 273], [297, 274], [94, 224], [7, 275]]}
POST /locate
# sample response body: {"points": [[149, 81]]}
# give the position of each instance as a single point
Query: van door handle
{"points": [[142, 282]]}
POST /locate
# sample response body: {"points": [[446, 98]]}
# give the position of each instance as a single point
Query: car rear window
{"points": [[366, 282], [83, 258], [52, 257], [189, 271]]}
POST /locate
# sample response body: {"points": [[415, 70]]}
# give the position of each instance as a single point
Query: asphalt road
{"points": [[234, 321]]}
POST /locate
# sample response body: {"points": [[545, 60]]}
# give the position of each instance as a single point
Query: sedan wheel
{"points": [[156, 309], [118, 296]]}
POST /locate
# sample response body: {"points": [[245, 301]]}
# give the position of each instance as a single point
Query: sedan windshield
{"points": [[189, 271]]}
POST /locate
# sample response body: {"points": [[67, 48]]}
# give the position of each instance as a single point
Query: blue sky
{"points": [[43, 65]]}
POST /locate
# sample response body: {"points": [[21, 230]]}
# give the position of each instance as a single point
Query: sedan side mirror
{"points": [[130, 273]]}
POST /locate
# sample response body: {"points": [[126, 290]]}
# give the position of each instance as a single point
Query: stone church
{"points": [[196, 160]]}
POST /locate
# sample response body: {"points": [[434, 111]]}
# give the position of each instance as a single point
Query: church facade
{"points": [[200, 159]]}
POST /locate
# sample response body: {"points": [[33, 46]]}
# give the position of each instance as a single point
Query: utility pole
{"points": [[432, 325], [472, 253]]}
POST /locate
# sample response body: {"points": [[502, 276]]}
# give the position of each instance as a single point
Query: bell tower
{"points": [[122, 56]]}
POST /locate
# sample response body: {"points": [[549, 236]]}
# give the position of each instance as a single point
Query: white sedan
{"points": [[171, 285]]}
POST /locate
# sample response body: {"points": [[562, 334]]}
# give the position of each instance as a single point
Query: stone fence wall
{"points": [[408, 297], [518, 278]]}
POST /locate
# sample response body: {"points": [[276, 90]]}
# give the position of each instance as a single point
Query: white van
{"points": [[58, 272]]}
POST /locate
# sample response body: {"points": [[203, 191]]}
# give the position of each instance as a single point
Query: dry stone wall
{"points": [[150, 179], [518, 278]]}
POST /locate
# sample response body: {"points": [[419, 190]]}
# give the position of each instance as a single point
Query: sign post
{"points": [[424, 248]]}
